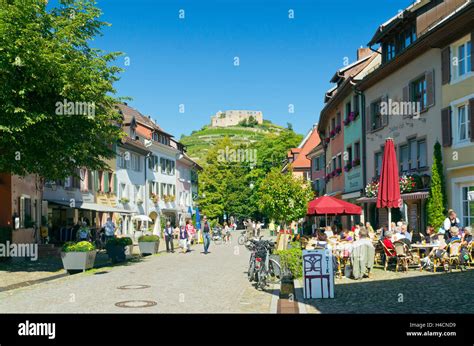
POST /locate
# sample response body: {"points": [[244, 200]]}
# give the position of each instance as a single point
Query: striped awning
{"points": [[404, 196]]}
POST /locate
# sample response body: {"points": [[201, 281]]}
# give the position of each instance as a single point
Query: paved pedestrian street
{"points": [[167, 283], [403, 292]]}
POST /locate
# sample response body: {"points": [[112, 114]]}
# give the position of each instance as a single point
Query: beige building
{"points": [[234, 117]]}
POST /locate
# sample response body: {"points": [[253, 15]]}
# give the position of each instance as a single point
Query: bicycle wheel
{"points": [[262, 278], [274, 271], [241, 240], [251, 271]]}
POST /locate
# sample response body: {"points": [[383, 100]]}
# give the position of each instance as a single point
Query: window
{"points": [[467, 205], [348, 109], [357, 151], [418, 92], [389, 51], [339, 161], [124, 160], [349, 154], [464, 58], [338, 121], [163, 190], [333, 124], [136, 162], [333, 164], [403, 158], [356, 104], [376, 115], [412, 154], [422, 153], [316, 164], [25, 212], [378, 163], [463, 124]]}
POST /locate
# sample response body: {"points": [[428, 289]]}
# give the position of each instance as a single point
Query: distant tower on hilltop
{"points": [[233, 118]]}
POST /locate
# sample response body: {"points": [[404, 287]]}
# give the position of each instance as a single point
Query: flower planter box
{"points": [[116, 253], [148, 248], [78, 260]]}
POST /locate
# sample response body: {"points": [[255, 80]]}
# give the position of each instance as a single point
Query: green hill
{"points": [[199, 142]]}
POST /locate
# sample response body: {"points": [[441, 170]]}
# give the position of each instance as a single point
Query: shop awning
{"points": [[91, 206], [404, 196]]}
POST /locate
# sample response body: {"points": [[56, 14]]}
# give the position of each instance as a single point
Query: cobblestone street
{"points": [[172, 283], [390, 292]]}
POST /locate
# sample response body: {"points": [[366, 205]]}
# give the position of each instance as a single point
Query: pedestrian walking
{"points": [[191, 232], [109, 229], [183, 238], [169, 237], [206, 228]]}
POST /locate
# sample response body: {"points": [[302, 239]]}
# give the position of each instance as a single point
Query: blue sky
{"points": [[190, 61]]}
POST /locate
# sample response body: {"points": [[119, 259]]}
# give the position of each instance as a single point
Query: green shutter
{"points": [[106, 181], [115, 183], [96, 181]]}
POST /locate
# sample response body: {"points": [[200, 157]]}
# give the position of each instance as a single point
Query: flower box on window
{"points": [[355, 162], [348, 167], [338, 128], [338, 171], [332, 133], [327, 140]]}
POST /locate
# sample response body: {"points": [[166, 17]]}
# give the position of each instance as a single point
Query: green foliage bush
{"points": [[148, 239], [125, 241], [292, 259], [82, 246]]}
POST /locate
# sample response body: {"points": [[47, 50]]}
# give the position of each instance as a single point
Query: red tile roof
{"points": [[308, 144]]}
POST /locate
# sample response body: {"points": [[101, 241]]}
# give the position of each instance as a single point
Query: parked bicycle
{"points": [[264, 267]]}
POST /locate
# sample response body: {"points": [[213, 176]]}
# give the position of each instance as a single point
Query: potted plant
{"points": [[116, 248], [348, 167], [338, 171], [332, 133], [355, 162], [78, 256], [338, 128], [155, 198], [124, 200], [148, 244], [327, 139]]}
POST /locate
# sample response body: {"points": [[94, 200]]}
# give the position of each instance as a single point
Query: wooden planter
{"points": [[148, 248], [78, 260]]}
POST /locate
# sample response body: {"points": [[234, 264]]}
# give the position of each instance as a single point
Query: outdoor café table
{"points": [[424, 247]]}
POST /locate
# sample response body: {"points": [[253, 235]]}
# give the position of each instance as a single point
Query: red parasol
{"points": [[389, 185], [333, 206]]}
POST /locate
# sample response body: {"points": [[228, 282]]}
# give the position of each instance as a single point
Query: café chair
{"points": [[454, 251], [389, 254]]}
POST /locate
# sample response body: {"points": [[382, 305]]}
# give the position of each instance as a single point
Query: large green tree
{"points": [[437, 199], [283, 197], [46, 61]]}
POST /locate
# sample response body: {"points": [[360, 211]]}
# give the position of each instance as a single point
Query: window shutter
{"points": [[385, 116], [115, 184], [471, 116], [105, 179], [406, 93], [445, 66], [96, 181], [368, 120], [472, 54], [446, 126], [429, 76]]}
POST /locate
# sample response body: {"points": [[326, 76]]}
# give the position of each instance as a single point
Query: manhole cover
{"points": [[136, 304], [133, 287]]}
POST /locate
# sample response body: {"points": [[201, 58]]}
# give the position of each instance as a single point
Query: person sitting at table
{"points": [[429, 235], [346, 236], [454, 235], [387, 241], [329, 232], [397, 235], [440, 252], [370, 229], [406, 235]]}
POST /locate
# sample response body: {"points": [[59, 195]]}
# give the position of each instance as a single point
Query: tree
{"points": [[56, 104], [437, 199], [283, 197]]}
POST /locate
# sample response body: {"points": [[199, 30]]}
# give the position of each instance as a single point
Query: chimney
{"points": [[363, 52]]}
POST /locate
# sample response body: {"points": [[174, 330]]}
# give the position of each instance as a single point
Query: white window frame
{"points": [[454, 56], [454, 121]]}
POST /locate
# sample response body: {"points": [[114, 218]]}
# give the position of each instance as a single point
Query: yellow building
{"points": [[457, 116]]}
